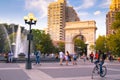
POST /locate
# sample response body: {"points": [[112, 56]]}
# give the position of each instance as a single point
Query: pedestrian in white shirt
{"points": [[61, 55]]}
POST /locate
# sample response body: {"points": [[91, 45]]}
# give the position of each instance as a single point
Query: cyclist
{"points": [[101, 58]]}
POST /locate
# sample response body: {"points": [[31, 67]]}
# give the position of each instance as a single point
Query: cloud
{"points": [[38, 5], [86, 4], [83, 13], [97, 12], [11, 21], [105, 3], [68, 3]]}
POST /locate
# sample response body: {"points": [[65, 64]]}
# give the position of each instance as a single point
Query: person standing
{"points": [[96, 55], [37, 54], [91, 57], [10, 56], [6, 57], [61, 55]]}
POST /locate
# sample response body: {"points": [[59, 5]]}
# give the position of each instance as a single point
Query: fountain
{"points": [[19, 44]]}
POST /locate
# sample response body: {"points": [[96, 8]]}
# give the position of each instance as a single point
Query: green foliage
{"points": [[36, 39], [2, 39], [116, 23], [113, 42], [92, 47], [101, 43], [117, 16], [61, 46], [46, 43], [42, 41], [4, 45], [79, 44]]}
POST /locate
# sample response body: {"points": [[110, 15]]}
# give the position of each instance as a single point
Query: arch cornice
{"points": [[81, 28]]}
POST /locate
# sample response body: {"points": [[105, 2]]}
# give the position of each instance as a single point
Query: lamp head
{"points": [[30, 19], [25, 19], [31, 16]]}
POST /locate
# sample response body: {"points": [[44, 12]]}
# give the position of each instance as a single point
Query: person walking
{"points": [[84, 57], [74, 59], [61, 56], [37, 54], [67, 57]]}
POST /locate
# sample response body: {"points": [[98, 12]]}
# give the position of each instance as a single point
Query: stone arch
{"points": [[81, 37], [85, 28], [79, 50]]}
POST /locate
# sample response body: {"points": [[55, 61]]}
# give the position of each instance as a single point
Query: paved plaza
{"points": [[53, 71]]}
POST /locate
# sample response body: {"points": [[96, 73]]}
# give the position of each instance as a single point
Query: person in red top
{"points": [[96, 55], [91, 57]]}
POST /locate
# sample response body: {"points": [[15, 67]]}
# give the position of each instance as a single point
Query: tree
{"points": [[79, 45], [61, 46], [47, 44], [4, 35], [42, 41], [36, 39], [101, 43], [92, 47], [2, 39], [116, 23], [113, 42]]}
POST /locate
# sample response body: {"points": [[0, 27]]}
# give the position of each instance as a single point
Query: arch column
{"points": [[69, 46], [88, 50]]}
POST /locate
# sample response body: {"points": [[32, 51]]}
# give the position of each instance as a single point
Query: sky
{"points": [[13, 11]]}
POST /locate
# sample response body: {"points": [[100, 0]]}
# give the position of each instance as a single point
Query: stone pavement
{"points": [[53, 71], [82, 71]]}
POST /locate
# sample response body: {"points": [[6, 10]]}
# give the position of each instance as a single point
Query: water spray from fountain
{"points": [[18, 41], [6, 34], [21, 43]]}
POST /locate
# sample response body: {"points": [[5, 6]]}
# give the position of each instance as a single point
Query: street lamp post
{"points": [[30, 20]]}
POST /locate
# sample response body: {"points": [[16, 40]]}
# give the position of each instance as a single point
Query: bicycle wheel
{"points": [[104, 71], [95, 71]]}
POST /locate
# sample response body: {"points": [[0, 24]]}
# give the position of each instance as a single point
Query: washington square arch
{"points": [[86, 29]]}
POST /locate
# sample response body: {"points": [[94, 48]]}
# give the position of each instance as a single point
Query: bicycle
{"points": [[96, 70]]}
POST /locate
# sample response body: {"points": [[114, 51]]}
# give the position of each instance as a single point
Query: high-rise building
{"points": [[71, 14], [58, 14], [114, 7]]}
